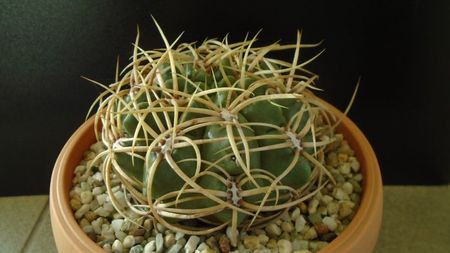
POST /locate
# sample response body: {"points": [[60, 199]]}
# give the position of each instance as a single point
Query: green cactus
{"points": [[218, 133]]}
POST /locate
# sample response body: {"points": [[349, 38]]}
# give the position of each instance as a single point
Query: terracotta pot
{"points": [[359, 237]]}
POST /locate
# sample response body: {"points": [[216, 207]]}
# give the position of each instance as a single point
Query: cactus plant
{"points": [[213, 135]]}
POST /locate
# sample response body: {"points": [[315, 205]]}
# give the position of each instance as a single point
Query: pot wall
{"points": [[360, 236]]}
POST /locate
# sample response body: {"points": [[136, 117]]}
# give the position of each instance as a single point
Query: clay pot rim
{"points": [[372, 194], [371, 200], [60, 200]]}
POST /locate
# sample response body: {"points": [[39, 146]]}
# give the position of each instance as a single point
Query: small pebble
{"points": [[117, 247], [321, 229], [259, 231], [251, 242], [233, 236], [340, 194], [295, 214], [273, 229], [332, 208], [151, 247], [137, 249], [97, 225], [345, 148], [98, 177], [212, 242], [345, 168], [300, 244], [300, 223], [358, 177], [108, 206], [224, 244], [315, 218], [340, 179], [285, 217], [98, 190], [80, 169], [80, 212], [137, 232], [107, 248], [89, 155], [330, 223], [120, 235], [332, 159], [347, 188], [284, 246], [169, 240], [84, 222], [138, 239], [202, 246], [107, 232], [342, 157], [263, 239], [97, 147], [88, 229], [182, 241], [354, 164], [75, 204], [322, 210], [120, 197], [117, 225], [148, 224], [328, 237], [94, 204], [90, 216], [325, 199], [303, 207], [355, 198], [191, 244], [285, 235], [272, 244], [278, 222], [160, 227], [356, 186], [287, 226], [85, 187], [175, 248], [101, 211], [129, 241], [179, 235], [86, 197], [310, 234], [345, 209], [101, 199], [159, 242]]}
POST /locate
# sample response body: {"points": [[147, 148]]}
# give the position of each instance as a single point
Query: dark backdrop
{"points": [[401, 49]]}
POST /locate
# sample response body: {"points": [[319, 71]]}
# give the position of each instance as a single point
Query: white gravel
{"points": [[307, 228]]}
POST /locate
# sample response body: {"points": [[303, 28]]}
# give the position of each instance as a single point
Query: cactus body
{"points": [[218, 133]]}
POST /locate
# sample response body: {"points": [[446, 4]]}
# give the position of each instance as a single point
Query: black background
{"points": [[401, 50]]}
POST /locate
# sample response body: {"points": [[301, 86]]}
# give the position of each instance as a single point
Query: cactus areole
{"points": [[206, 136]]}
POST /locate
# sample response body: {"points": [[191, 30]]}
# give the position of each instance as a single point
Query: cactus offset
{"points": [[218, 133]]}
